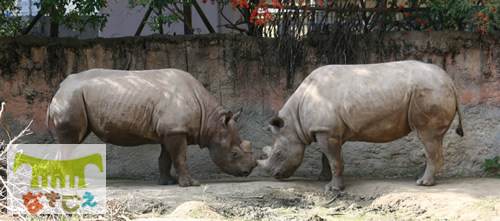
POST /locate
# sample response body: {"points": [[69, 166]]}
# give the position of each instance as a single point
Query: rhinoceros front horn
{"points": [[264, 164]]}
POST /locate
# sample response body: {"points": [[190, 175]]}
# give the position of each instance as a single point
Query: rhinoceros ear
{"points": [[278, 122], [227, 118], [275, 125], [237, 115]]}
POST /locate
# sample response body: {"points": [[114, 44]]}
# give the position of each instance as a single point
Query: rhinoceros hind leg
{"points": [[176, 146], [421, 174], [434, 158], [429, 115], [326, 173], [165, 164]]}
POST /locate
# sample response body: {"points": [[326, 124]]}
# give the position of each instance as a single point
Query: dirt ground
{"points": [[305, 199]]}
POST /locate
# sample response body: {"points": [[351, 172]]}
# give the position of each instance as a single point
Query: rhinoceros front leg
{"points": [[326, 172], [165, 164], [176, 146], [332, 148]]}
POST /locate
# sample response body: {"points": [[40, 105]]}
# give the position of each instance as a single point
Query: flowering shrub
{"points": [[434, 15]]}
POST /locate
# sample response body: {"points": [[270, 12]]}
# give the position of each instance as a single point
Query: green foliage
{"points": [[491, 164], [10, 23], [454, 14], [160, 20], [158, 6], [85, 12]]}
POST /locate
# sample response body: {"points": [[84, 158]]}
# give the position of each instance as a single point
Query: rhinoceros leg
{"points": [[176, 145], [434, 158], [165, 164], [332, 148], [430, 115], [326, 173], [69, 133]]}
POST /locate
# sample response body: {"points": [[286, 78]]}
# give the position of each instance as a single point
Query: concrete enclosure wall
{"points": [[246, 72]]}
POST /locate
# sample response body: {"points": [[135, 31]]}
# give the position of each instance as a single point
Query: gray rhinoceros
{"points": [[165, 106], [371, 103]]}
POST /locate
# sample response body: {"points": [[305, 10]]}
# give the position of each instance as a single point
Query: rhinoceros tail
{"points": [[48, 114], [459, 129]]}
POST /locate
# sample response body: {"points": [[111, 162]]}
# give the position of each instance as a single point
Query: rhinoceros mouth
{"points": [[279, 175]]}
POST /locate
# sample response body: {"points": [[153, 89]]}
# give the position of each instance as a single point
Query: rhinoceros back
{"points": [[366, 100], [130, 107]]}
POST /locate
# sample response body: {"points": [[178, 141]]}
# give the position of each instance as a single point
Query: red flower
{"points": [[385, 9], [425, 22], [406, 33], [493, 8], [375, 9], [480, 15], [418, 20], [380, 23], [485, 18]]}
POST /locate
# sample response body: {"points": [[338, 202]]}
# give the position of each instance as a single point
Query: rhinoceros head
{"points": [[233, 155], [287, 152]]}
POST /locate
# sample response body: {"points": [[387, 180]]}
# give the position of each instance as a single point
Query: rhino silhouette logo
{"points": [[58, 169]]}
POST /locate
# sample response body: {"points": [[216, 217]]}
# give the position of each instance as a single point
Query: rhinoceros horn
{"points": [[264, 164], [246, 146], [267, 150]]}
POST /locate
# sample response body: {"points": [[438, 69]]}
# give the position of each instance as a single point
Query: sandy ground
{"points": [[305, 199]]}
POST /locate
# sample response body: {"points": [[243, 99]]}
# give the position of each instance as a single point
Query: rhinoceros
{"points": [[166, 106], [371, 103]]}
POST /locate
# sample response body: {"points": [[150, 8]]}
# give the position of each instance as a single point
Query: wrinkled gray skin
{"points": [[167, 106], [371, 103]]}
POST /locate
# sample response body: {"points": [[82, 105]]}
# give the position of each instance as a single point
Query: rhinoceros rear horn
{"points": [[267, 150]]}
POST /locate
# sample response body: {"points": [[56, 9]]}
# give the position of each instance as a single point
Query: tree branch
{"points": [[144, 19], [2, 120], [203, 17], [32, 23]]}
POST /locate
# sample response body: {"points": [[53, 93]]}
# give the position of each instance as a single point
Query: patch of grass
{"points": [[487, 203]]}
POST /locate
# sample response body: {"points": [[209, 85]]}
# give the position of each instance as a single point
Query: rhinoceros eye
{"points": [[279, 155], [234, 154]]}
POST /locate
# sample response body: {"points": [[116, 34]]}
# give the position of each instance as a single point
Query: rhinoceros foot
{"points": [[188, 181], [335, 185], [425, 182], [167, 180]]}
